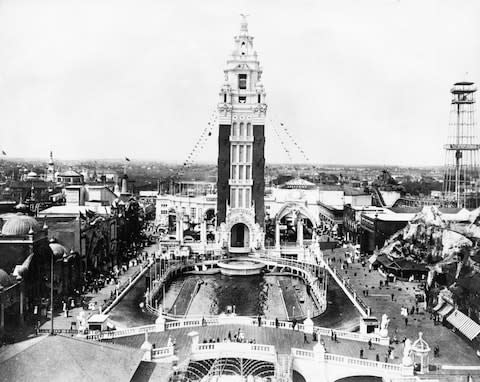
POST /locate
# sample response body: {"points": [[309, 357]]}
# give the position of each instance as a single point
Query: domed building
{"points": [[66, 269], [24, 264]]}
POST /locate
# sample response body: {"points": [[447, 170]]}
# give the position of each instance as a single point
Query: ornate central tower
{"points": [[241, 142]]}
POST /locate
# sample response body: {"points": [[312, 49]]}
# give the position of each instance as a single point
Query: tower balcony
{"points": [[240, 182], [462, 146], [237, 138]]}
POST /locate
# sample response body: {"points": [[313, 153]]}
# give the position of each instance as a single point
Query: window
{"points": [[259, 98], [242, 129], [242, 99], [248, 172], [225, 98], [241, 171], [242, 81], [249, 154], [192, 212], [249, 129], [234, 172], [240, 156], [240, 198], [247, 198], [232, 197], [234, 153]]}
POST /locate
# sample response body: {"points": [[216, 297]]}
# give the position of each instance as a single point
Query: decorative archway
{"points": [[239, 236], [298, 224], [290, 207]]}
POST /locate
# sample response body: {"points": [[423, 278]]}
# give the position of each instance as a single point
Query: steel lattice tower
{"points": [[461, 151]]}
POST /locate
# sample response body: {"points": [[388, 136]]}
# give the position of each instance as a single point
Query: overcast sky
{"points": [[355, 82]]}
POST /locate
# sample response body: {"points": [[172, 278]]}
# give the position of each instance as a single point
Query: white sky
{"points": [[356, 82]]}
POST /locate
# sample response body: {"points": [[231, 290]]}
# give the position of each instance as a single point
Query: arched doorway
{"points": [[239, 236]]}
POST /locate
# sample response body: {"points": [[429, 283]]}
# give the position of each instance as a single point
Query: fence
{"points": [[234, 349], [165, 352], [354, 362]]}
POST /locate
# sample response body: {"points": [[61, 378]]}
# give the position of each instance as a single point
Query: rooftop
{"points": [[59, 358]]}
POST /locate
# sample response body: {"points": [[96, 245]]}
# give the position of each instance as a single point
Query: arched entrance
{"points": [[239, 236]]}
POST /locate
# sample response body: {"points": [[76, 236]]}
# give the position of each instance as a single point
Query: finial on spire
{"points": [[244, 23]]}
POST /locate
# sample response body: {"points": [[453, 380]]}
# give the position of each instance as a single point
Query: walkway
{"points": [[99, 298], [453, 349], [282, 339]]}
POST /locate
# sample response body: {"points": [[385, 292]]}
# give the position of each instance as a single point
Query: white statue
{"points": [[407, 348], [385, 321]]}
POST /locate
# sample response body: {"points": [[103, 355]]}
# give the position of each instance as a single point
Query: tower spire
{"points": [[244, 24]]}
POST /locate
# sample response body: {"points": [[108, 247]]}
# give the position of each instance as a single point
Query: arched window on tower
{"points": [[242, 129], [224, 97], [242, 81], [243, 48], [235, 129], [249, 130]]}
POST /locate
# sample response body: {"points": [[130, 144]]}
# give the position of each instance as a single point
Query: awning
{"points": [[465, 324], [446, 309]]}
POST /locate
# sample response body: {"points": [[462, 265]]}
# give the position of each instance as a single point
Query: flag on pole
{"points": [[4, 153], [127, 159]]}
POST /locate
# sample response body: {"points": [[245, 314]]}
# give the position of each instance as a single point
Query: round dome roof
{"points": [[20, 225], [32, 174], [5, 279], [58, 250]]}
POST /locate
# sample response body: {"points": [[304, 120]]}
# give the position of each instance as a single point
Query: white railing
{"points": [[234, 349], [390, 367], [128, 332], [164, 352], [349, 291], [301, 353], [354, 362], [269, 323]]}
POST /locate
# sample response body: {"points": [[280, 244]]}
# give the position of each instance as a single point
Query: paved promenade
{"points": [[96, 299], [453, 349], [282, 339]]}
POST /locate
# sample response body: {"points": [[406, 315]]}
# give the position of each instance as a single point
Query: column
{"points": [[177, 227], [277, 234], [203, 232], [300, 232], [181, 231]]}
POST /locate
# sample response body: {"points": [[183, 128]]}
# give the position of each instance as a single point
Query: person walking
{"points": [[393, 296], [305, 340], [361, 353], [276, 322], [406, 321], [370, 344], [377, 357]]}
